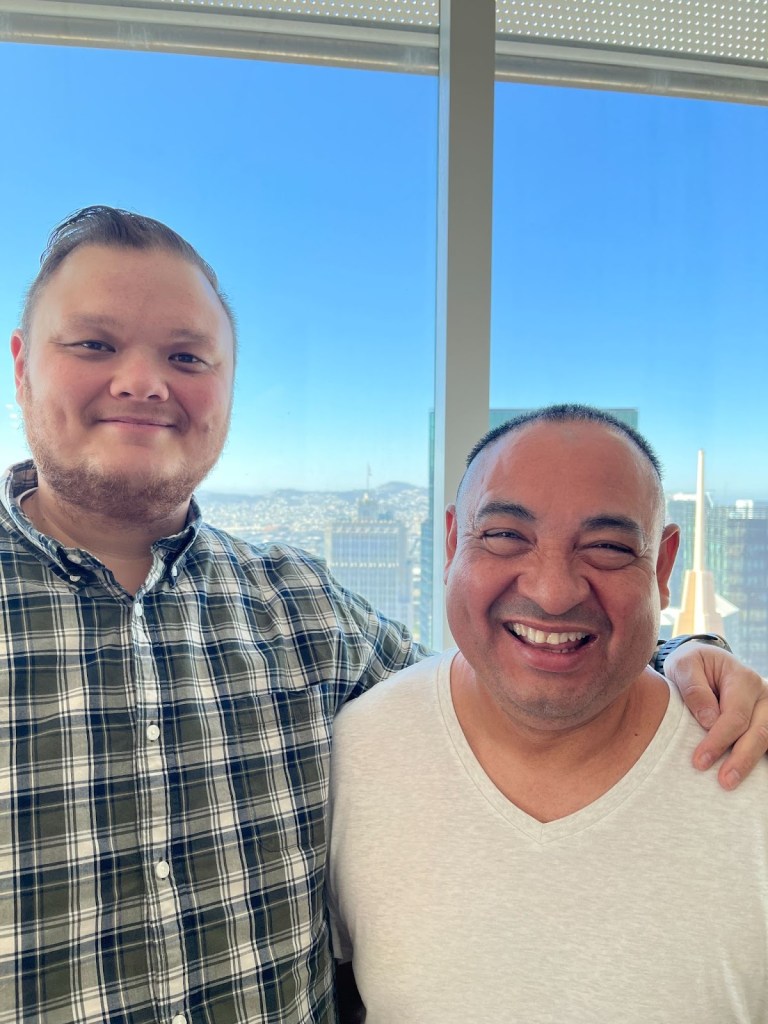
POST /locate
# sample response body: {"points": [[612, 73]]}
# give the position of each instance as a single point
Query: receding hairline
{"points": [[106, 320], [521, 425], [111, 227], [568, 412]]}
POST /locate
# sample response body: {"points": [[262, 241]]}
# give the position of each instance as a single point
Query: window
{"points": [[629, 266], [627, 218], [311, 190]]}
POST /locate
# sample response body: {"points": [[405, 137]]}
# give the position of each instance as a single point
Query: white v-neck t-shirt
{"points": [[649, 906]]}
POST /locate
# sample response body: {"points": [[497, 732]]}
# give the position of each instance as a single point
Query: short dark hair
{"points": [[120, 229], [568, 413]]}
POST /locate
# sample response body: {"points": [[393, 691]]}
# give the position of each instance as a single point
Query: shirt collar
{"points": [[22, 477]]}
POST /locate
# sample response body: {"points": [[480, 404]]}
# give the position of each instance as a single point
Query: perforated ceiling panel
{"points": [[396, 13], [735, 30], [712, 28]]}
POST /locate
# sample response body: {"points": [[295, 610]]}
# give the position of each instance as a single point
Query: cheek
{"points": [[474, 586], [62, 388], [637, 610], [208, 407], [456, 591]]}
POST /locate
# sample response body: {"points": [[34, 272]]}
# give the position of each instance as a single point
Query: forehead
{"points": [[129, 284], [571, 466]]}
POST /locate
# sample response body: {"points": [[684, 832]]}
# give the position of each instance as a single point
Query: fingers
{"points": [[749, 749], [729, 731], [701, 700], [741, 726], [696, 669]]}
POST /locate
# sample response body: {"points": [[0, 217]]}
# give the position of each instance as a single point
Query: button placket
{"points": [[154, 827]]}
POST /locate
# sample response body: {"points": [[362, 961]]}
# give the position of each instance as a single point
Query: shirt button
{"points": [[139, 609], [179, 1019], [153, 733], [75, 558], [162, 869], [175, 573]]}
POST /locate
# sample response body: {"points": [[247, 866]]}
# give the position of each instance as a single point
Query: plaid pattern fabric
{"points": [[163, 777]]}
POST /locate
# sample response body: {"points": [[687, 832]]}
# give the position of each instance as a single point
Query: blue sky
{"points": [[630, 265], [630, 269]]}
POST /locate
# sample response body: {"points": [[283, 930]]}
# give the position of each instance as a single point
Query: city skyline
{"points": [[354, 531], [628, 268]]}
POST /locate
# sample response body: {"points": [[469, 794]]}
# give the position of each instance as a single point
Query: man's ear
{"points": [[451, 539], [18, 351], [670, 542]]}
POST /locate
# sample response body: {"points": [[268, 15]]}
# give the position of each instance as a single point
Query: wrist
{"points": [[665, 647]]}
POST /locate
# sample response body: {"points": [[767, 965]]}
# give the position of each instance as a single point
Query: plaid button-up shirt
{"points": [[163, 777]]}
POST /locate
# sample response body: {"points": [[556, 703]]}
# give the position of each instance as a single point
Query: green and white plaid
{"points": [[163, 777]]}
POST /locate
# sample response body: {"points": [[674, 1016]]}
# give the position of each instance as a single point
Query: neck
{"points": [[550, 773], [124, 547]]}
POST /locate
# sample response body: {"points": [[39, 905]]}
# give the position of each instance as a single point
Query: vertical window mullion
{"points": [[465, 178]]}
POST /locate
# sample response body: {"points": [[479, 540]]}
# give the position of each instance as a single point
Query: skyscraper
{"points": [[681, 509], [698, 608], [369, 555], [736, 551], [738, 554]]}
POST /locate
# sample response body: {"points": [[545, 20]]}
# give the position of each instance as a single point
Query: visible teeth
{"points": [[538, 636]]}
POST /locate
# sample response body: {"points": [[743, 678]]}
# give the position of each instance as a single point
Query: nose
{"points": [[141, 377], [554, 583]]}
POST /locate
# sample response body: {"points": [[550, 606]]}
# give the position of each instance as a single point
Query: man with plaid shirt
{"points": [[169, 691]]}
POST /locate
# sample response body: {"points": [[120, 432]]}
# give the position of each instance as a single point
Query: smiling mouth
{"points": [[135, 423], [537, 637]]}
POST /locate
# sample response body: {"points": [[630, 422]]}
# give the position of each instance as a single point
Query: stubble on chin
{"points": [[116, 496], [122, 496]]}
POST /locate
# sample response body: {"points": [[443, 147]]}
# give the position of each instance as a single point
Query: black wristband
{"points": [[664, 648]]}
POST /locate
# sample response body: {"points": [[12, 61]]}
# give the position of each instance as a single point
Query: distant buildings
{"points": [[369, 555], [738, 556], [736, 552], [700, 609], [380, 544], [370, 540]]}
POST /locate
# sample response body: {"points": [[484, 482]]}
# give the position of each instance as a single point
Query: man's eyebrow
{"points": [[504, 508], [603, 521], [190, 336], [105, 322], [88, 321], [609, 521]]}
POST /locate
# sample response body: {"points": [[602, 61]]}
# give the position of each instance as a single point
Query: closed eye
{"points": [[504, 542], [606, 555]]}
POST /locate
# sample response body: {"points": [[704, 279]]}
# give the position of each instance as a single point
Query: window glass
{"points": [[629, 272], [311, 190]]}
